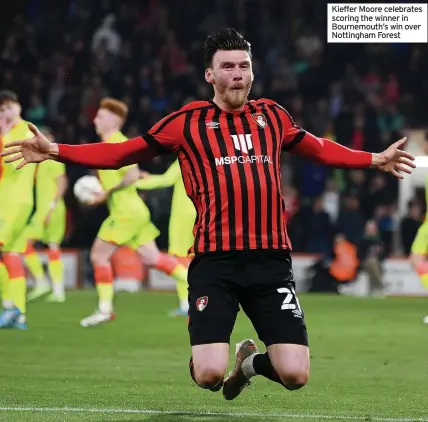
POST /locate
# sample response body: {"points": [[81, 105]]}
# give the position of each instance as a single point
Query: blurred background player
{"points": [[3, 271], [15, 210], [129, 222], [181, 221], [47, 226], [419, 251]]}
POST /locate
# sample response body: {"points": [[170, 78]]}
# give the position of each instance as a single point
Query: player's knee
{"points": [[98, 259], [293, 378], [208, 376], [149, 255]]}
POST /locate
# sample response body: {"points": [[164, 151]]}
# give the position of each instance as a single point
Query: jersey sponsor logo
{"points": [[260, 119], [201, 303], [244, 144]]}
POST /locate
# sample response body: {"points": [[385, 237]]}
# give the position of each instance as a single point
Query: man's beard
{"points": [[237, 98]]}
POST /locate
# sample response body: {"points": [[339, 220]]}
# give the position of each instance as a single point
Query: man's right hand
{"points": [[32, 150]]}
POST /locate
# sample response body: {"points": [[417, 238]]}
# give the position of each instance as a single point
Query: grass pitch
{"points": [[369, 362]]}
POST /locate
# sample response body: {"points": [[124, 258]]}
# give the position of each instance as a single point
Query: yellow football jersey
{"points": [[16, 186]]}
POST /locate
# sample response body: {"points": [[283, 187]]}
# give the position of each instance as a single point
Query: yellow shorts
{"points": [[420, 244], [51, 233], [181, 234], [12, 227], [128, 231]]}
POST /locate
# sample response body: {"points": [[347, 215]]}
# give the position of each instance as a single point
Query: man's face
{"points": [[106, 121], [10, 111], [231, 74]]}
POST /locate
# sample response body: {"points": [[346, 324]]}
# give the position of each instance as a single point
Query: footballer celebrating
{"points": [[229, 152]]}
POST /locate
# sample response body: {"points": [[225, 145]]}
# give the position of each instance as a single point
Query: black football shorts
{"points": [[260, 281]]}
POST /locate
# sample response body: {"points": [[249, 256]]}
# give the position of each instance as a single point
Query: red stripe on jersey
{"points": [[240, 204], [248, 146], [225, 200]]}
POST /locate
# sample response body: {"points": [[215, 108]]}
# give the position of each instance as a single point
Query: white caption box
{"points": [[377, 23]]}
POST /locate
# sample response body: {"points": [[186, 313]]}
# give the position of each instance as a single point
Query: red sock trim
{"points": [[166, 263], [54, 254], [422, 268], [103, 274], [13, 264]]}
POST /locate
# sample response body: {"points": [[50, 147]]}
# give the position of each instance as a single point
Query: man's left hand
{"points": [[394, 160]]}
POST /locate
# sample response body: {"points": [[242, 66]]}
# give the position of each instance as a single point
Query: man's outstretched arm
{"points": [[393, 160], [162, 138], [109, 156], [296, 140], [328, 152]]}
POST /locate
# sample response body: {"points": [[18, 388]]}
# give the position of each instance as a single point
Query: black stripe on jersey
{"points": [[278, 119], [277, 169], [296, 140], [205, 202], [283, 110], [202, 126], [178, 114], [155, 144], [244, 189], [229, 185], [256, 180]]}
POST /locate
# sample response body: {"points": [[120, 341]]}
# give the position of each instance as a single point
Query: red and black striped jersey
{"points": [[230, 163]]}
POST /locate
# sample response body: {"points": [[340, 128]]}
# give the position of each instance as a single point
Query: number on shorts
{"points": [[286, 304]]}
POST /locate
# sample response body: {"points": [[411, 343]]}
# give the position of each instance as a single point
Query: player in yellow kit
{"points": [[419, 251], [181, 221], [129, 222], [47, 226], [3, 272], [16, 206]]}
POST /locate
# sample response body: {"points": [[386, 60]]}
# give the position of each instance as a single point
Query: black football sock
{"points": [[263, 366]]}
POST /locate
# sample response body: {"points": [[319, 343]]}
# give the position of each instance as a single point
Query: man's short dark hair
{"points": [[228, 39], [6, 96]]}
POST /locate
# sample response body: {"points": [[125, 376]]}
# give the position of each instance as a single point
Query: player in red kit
{"points": [[229, 152]]}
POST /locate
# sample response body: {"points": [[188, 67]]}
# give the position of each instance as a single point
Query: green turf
{"points": [[369, 359]]}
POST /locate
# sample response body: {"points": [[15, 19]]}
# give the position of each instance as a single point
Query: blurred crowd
{"points": [[62, 60]]}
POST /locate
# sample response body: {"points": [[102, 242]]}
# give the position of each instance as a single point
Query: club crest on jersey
{"points": [[260, 119], [201, 303]]}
